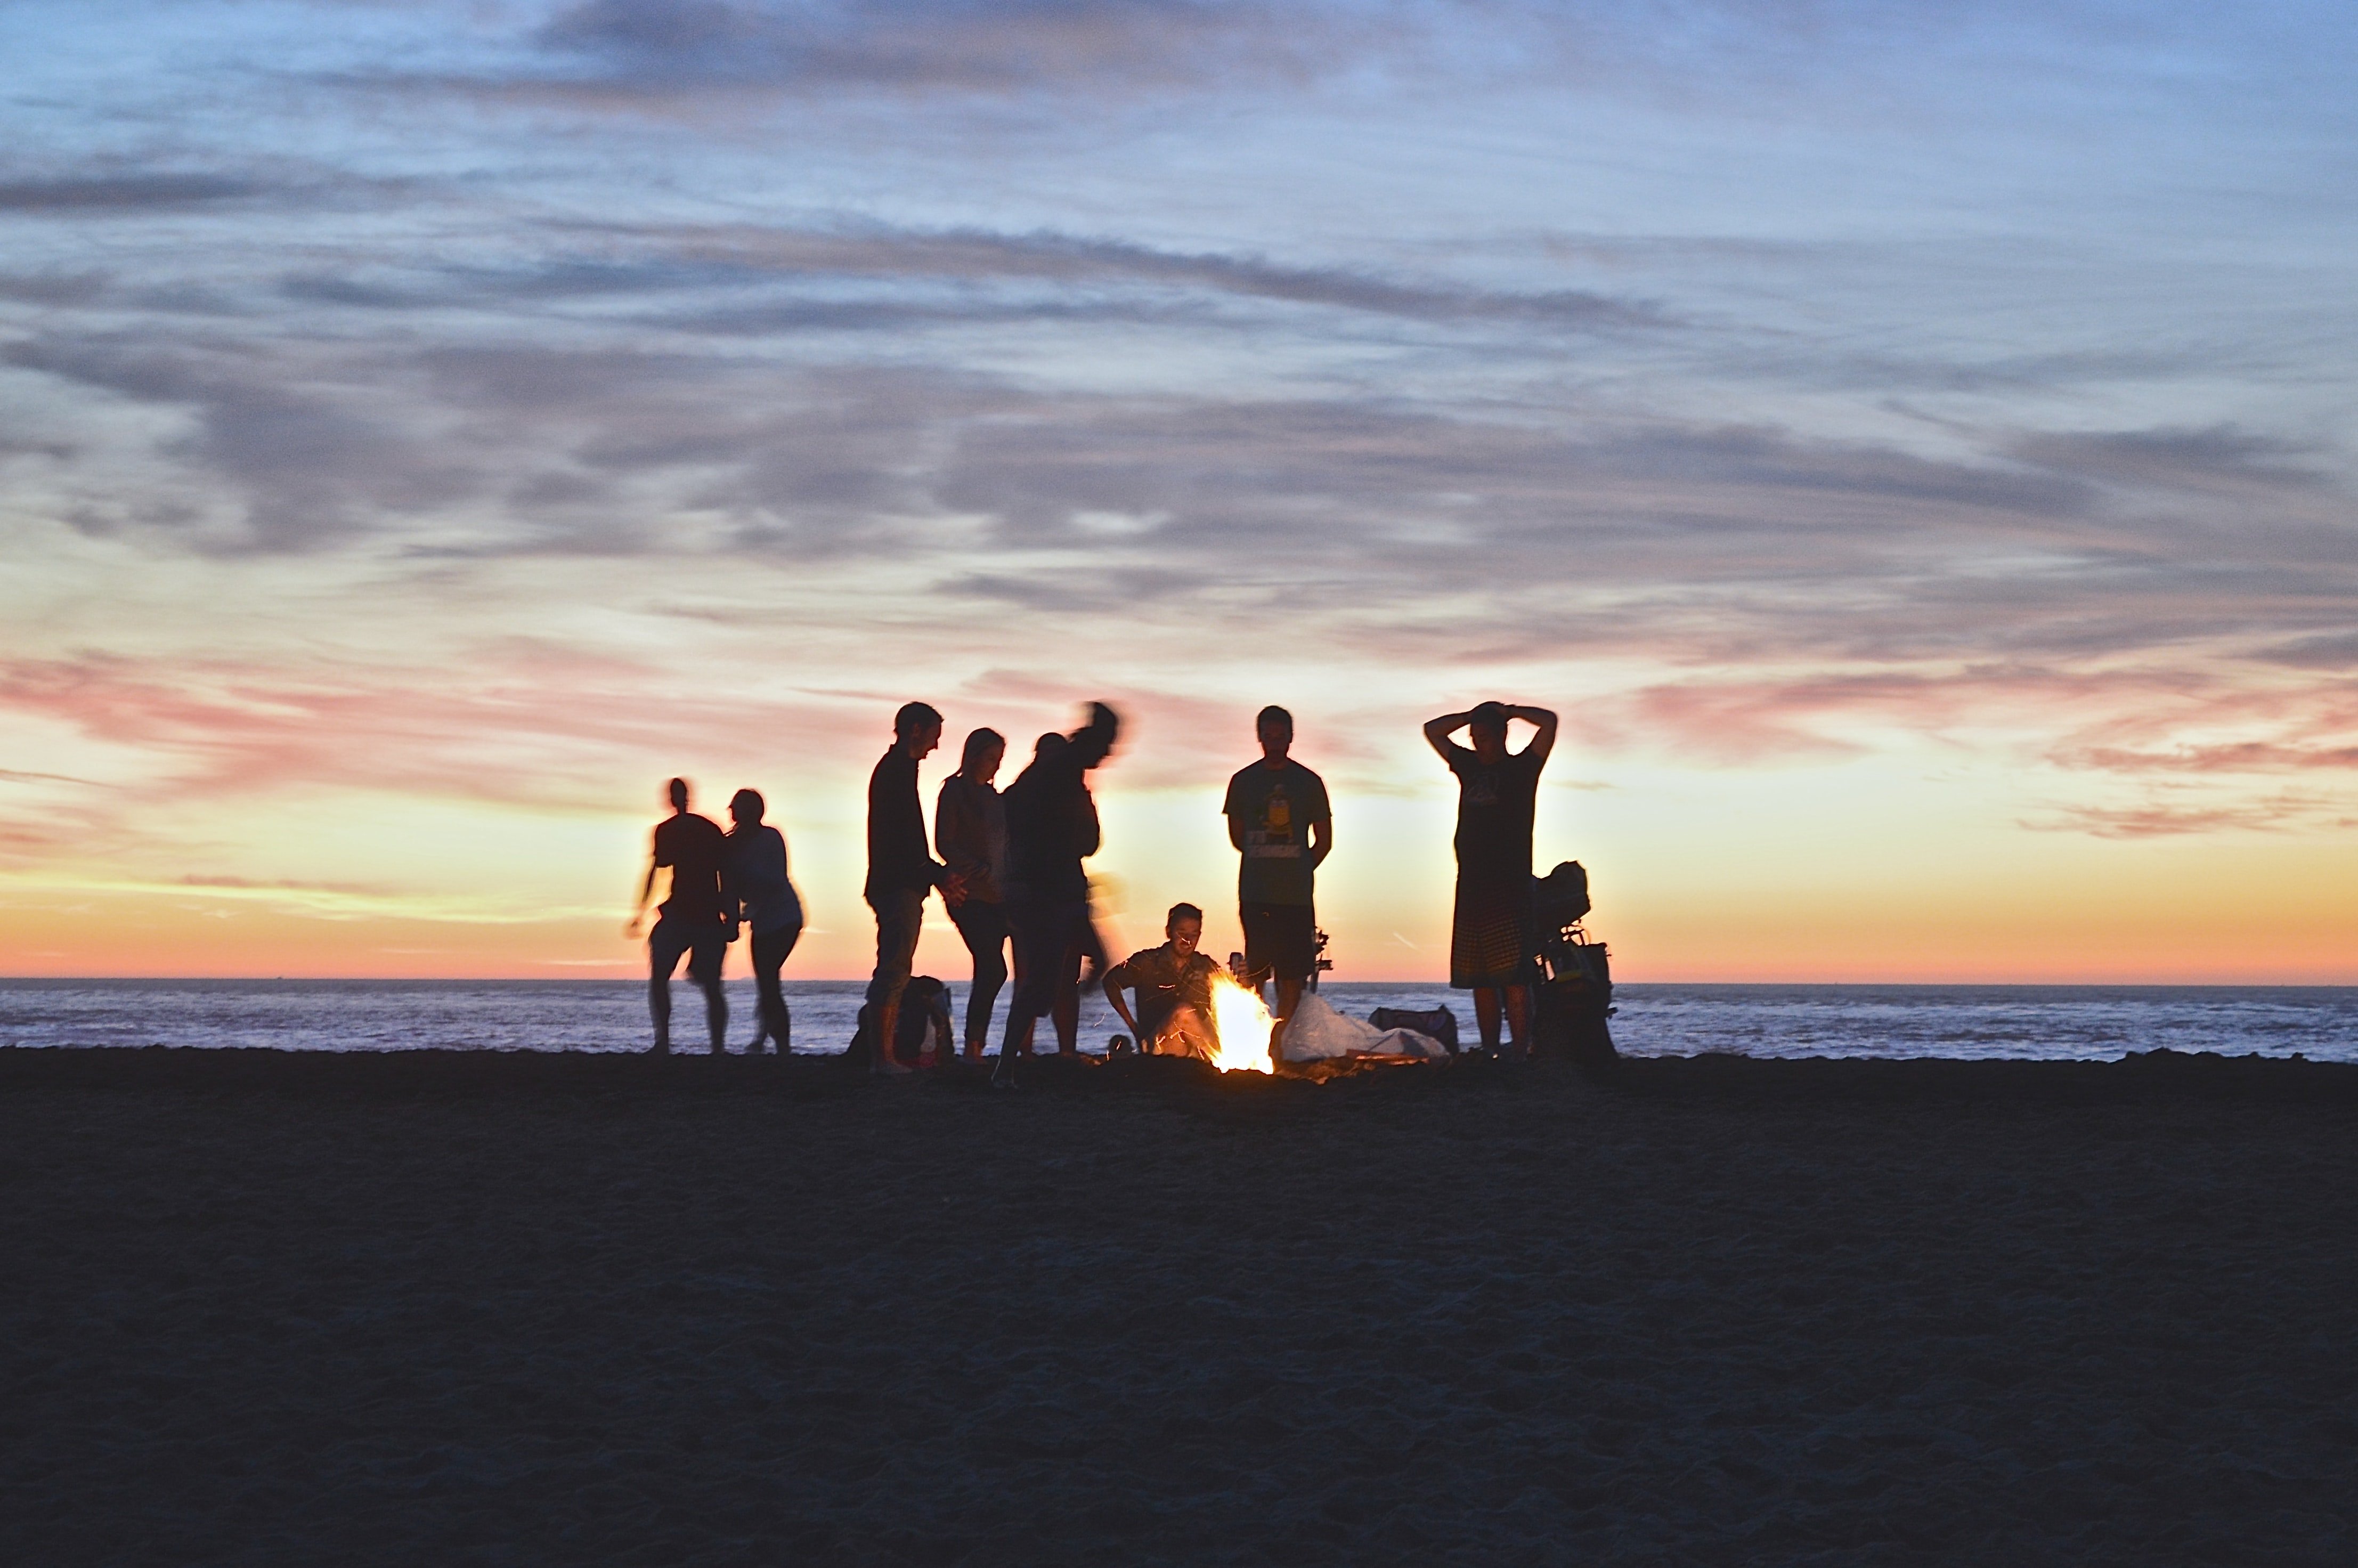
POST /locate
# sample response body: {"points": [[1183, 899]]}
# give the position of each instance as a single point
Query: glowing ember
{"points": [[1243, 1024]]}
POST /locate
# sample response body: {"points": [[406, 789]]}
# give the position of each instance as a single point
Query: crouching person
{"points": [[1173, 986]]}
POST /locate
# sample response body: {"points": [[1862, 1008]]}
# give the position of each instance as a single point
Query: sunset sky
{"points": [[1911, 444]]}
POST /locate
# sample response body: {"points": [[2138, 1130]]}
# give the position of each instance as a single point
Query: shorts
{"points": [[705, 946], [1281, 940]]}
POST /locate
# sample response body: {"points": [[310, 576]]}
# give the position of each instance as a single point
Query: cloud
{"points": [[666, 46], [971, 256], [2206, 459], [88, 196], [2276, 814]]}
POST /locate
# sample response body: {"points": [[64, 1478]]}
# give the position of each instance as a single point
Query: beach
{"points": [[524, 1308]]}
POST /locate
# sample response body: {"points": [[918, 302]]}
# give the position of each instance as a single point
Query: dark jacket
{"points": [[1052, 826], [898, 860]]}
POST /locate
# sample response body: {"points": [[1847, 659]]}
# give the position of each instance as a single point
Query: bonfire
{"points": [[1240, 1025]]}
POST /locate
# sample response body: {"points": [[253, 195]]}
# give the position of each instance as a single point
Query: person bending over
{"points": [[1173, 983], [773, 912], [970, 833], [1052, 826], [1492, 942], [901, 871], [1279, 821], [698, 918]]}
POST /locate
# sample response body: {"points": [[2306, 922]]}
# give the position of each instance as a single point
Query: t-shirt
{"points": [[1495, 802], [757, 865], [696, 850], [1163, 982], [898, 860], [1274, 807]]}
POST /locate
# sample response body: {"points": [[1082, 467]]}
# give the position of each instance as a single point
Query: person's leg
{"points": [[1289, 1002], [1519, 1019], [704, 968], [664, 950], [1040, 931], [770, 950], [897, 920], [983, 928], [1066, 1008], [883, 981], [1486, 1015]]}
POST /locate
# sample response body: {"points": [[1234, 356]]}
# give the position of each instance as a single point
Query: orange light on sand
{"points": [[1243, 1026]]}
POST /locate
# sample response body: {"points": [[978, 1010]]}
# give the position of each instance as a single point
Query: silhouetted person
{"points": [[1173, 983], [1279, 821], [1052, 826], [772, 913], [901, 871], [970, 834], [698, 918], [1491, 939]]}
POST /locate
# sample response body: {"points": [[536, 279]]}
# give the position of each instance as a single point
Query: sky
{"points": [[1910, 444]]}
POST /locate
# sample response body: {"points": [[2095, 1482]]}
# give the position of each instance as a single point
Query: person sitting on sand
{"points": [[698, 919], [1173, 983], [1492, 943]]}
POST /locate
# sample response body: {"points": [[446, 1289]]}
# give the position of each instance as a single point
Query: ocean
{"points": [[2050, 1023]]}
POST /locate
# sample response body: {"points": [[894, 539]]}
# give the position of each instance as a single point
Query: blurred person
{"points": [[1491, 939], [901, 872], [1052, 826], [1281, 827], [772, 913], [970, 835], [1174, 984], [697, 917]]}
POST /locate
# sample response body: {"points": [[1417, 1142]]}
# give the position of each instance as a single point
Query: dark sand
{"points": [[437, 1310]]}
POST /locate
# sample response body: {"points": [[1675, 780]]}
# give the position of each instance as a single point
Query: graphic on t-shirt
{"points": [[1274, 839]]}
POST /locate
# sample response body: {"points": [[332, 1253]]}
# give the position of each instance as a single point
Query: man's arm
{"points": [[637, 922], [1322, 840], [1544, 741], [1437, 731], [1115, 978]]}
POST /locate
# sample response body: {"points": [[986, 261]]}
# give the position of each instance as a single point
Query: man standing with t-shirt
{"points": [[1279, 821]]}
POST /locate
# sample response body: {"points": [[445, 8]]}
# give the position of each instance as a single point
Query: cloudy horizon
{"points": [[1910, 446]]}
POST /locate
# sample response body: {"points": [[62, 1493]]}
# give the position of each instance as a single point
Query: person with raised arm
{"points": [[970, 834], [698, 918], [1052, 826], [1491, 940], [1281, 827], [901, 872], [772, 913]]}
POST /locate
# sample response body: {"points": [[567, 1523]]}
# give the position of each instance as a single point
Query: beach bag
{"points": [[1560, 898], [1439, 1022]]}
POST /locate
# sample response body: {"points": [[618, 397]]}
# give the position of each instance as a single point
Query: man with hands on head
{"points": [[1491, 940]]}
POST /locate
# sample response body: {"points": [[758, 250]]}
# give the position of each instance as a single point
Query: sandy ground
{"points": [[430, 1310]]}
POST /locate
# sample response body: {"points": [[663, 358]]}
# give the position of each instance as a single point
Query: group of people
{"points": [[1007, 866]]}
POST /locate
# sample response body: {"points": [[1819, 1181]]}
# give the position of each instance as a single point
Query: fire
{"points": [[1243, 1026]]}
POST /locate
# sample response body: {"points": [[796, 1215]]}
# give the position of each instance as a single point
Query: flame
{"points": [[1243, 1026]]}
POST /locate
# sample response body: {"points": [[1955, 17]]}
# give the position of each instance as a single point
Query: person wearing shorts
{"points": [[1281, 827], [698, 920]]}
